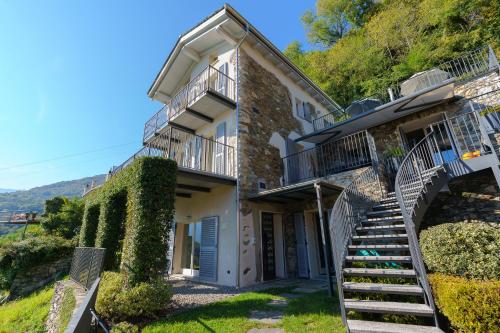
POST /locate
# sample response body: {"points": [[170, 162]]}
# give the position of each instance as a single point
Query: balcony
{"points": [[202, 163], [205, 97], [332, 157], [468, 66]]}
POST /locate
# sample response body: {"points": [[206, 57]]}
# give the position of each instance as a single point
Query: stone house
{"points": [[260, 147]]}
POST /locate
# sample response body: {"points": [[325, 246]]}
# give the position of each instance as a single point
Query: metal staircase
{"points": [[379, 267]]}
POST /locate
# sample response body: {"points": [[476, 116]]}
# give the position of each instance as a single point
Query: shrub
{"points": [[118, 302], [89, 224], [125, 327], [19, 256], [464, 249], [63, 219], [470, 305]]}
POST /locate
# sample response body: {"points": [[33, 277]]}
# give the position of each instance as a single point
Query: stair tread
{"points": [[387, 204], [378, 258], [380, 236], [383, 219], [380, 272], [382, 227], [365, 326], [379, 247], [388, 307], [386, 211], [406, 289]]}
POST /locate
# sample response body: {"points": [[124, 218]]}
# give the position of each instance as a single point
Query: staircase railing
{"points": [[351, 205], [416, 170]]}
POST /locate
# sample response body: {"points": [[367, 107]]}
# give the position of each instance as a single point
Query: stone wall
{"points": [[265, 108], [39, 276], [471, 198]]}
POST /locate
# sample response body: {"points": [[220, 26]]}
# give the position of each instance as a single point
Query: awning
{"points": [[423, 99], [296, 192]]}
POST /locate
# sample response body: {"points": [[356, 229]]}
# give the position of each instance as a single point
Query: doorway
{"points": [[268, 247], [190, 259]]}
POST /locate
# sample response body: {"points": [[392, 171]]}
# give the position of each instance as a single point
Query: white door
{"points": [[220, 149]]}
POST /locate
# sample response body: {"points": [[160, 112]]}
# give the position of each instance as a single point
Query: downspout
{"points": [[238, 238]]}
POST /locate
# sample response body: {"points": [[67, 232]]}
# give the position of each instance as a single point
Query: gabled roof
{"points": [[225, 25]]}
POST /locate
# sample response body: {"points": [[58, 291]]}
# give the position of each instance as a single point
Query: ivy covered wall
{"points": [[131, 216]]}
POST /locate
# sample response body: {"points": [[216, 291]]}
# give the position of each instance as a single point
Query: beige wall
{"points": [[221, 202]]}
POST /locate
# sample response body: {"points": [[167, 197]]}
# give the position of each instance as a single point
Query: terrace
{"points": [[202, 163], [468, 66]]}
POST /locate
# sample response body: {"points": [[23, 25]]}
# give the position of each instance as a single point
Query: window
{"points": [[304, 110]]}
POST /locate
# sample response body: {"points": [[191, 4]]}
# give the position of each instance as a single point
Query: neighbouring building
{"points": [[255, 139]]}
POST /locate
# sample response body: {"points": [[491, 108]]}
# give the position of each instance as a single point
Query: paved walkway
{"points": [[189, 294]]}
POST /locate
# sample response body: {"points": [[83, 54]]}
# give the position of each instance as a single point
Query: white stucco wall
{"points": [[221, 202]]}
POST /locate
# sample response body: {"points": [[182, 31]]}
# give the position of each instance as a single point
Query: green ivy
{"points": [[89, 224], [146, 190]]}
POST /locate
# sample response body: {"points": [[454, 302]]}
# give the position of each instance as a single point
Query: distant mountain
{"points": [[6, 190], [34, 199]]}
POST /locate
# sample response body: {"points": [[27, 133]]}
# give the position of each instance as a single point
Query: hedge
{"points": [[20, 256], [148, 186], [470, 305], [89, 224], [111, 227], [464, 249]]}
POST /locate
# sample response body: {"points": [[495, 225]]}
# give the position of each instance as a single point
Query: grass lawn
{"points": [[309, 313], [28, 314]]}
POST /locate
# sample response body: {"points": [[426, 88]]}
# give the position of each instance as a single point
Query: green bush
{"points": [[470, 305], [148, 186], [125, 327], [465, 249], [19, 256], [118, 302]]}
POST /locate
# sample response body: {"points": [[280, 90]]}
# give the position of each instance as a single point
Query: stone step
{"points": [[384, 237], [398, 308], [388, 212], [379, 247], [364, 326], [393, 227], [398, 259], [380, 272], [383, 288]]}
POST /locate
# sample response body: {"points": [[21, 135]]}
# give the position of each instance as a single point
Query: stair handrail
{"points": [[349, 208], [420, 164]]}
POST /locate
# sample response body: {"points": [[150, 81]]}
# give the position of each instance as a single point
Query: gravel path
{"points": [[188, 294]]}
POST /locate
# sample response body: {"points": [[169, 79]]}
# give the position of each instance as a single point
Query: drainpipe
{"points": [[238, 238]]}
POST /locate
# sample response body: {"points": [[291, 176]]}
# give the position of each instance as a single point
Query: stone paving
{"points": [[189, 293]]}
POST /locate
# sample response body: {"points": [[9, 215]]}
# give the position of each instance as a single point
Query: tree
{"points": [[334, 18], [66, 220]]}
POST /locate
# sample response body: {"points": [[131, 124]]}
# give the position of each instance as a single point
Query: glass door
{"points": [[191, 249]]}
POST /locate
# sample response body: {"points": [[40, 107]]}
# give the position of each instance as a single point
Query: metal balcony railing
{"points": [[189, 151], [468, 66], [209, 80], [331, 157]]}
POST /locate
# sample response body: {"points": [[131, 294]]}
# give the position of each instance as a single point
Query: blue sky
{"points": [[74, 77]]}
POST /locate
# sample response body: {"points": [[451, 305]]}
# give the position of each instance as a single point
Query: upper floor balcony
{"points": [[465, 67], [206, 96]]}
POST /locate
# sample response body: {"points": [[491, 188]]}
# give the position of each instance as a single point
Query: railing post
{"points": [[492, 59], [374, 157]]}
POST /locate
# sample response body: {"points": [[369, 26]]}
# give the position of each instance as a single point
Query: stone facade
{"points": [[265, 108], [38, 277], [471, 198]]}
